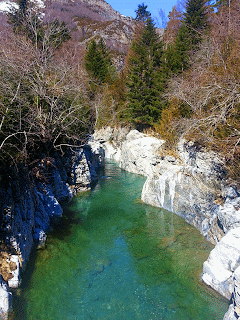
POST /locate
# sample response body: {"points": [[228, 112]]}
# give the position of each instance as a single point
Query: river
{"points": [[113, 257]]}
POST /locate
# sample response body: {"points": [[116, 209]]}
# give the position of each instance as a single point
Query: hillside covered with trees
{"points": [[184, 83]]}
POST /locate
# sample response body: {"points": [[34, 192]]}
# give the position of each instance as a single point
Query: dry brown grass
{"points": [[6, 266]]}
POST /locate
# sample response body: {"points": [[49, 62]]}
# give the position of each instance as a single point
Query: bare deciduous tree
{"points": [[42, 93]]}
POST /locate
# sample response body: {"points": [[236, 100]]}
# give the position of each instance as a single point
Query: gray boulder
{"points": [[5, 300]]}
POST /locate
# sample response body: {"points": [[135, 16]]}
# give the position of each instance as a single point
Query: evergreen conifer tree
{"points": [[195, 20], [189, 36], [142, 14], [144, 78], [98, 62]]}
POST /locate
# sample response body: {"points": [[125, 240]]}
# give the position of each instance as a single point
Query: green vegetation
{"points": [[195, 20], [145, 80], [98, 62], [185, 82], [142, 14], [188, 37]]}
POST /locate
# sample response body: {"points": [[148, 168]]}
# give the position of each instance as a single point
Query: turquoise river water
{"points": [[113, 257]]}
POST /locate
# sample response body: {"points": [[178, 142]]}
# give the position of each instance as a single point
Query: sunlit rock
{"points": [[224, 259], [139, 153], [81, 174], [230, 315], [5, 300], [229, 213], [111, 140], [14, 282]]}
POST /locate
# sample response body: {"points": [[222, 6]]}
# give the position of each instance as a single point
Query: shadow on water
{"points": [[60, 229], [19, 302]]}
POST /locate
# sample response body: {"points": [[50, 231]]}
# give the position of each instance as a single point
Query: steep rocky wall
{"points": [[30, 200], [191, 182]]}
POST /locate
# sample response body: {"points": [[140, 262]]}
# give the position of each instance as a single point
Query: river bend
{"points": [[114, 257]]}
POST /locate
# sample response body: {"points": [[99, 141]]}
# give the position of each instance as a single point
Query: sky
{"points": [[128, 7]]}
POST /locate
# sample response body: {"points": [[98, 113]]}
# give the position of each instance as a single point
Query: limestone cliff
{"points": [[30, 200]]}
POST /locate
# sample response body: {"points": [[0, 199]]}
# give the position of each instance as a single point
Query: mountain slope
{"points": [[87, 20]]}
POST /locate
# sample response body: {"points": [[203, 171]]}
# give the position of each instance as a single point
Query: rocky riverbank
{"points": [[191, 182], [31, 200]]}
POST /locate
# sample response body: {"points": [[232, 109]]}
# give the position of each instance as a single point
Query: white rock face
{"points": [[136, 152], [229, 213], [15, 281], [188, 185], [111, 139], [139, 153], [234, 308], [87, 161], [112, 152], [5, 300], [230, 315], [81, 172], [236, 293], [218, 270]]}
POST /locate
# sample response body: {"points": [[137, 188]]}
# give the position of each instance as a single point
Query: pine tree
{"points": [[195, 20], [94, 62], [189, 36], [98, 62], [145, 79], [142, 14], [176, 54]]}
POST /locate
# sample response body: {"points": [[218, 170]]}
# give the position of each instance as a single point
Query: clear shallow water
{"points": [[113, 257]]}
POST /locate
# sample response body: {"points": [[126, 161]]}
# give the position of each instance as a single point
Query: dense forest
{"points": [[182, 84]]}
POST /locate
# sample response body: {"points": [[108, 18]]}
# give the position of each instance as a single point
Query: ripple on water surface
{"points": [[113, 257]]}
